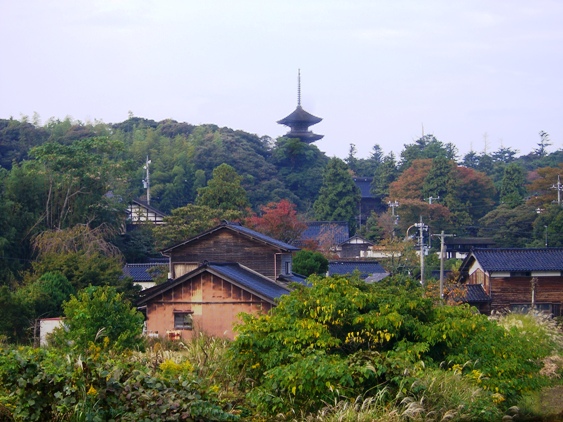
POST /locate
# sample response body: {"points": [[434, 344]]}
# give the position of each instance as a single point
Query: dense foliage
{"points": [[344, 338], [65, 186]]}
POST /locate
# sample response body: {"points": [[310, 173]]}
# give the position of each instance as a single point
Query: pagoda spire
{"points": [[298, 87], [300, 120]]}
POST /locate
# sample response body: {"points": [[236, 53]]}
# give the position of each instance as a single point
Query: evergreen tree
{"points": [[339, 196], [437, 183], [223, 190], [512, 188], [385, 174]]}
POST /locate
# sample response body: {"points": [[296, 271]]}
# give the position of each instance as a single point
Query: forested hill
{"points": [[61, 174]]}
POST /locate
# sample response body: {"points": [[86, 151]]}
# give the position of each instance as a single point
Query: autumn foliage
{"points": [[278, 220]]}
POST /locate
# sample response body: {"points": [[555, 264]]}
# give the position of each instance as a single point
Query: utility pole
{"points": [[421, 226], [559, 188], [442, 237], [432, 198], [393, 205], [147, 181]]}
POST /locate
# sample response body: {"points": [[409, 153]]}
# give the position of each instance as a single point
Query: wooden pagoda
{"points": [[300, 120]]}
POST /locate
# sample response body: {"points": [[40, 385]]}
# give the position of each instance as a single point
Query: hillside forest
{"points": [[68, 175], [337, 349]]}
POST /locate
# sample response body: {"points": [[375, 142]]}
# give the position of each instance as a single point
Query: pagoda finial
{"points": [[298, 87]]}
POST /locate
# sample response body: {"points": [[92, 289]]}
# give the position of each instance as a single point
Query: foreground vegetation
{"points": [[337, 350]]}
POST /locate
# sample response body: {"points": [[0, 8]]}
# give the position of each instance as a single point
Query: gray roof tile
{"points": [[543, 259]]}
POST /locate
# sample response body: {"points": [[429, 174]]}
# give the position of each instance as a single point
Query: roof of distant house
{"points": [[148, 207], [364, 184], [513, 259], [369, 270], [245, 231], [338, 230], [141, 272], [233, 272]]}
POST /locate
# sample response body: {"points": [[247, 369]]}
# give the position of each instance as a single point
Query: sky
{"points": [[481, 74]]}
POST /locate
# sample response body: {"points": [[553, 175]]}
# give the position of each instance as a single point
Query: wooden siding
{"points": [[214, 303], [228, 246], [507, 291]]}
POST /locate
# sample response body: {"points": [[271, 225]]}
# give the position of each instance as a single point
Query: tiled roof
{"points": [[364, 184], [368, 269], [294, 278], [544, 259], [233, 272], [471, 293], [315, 229], [251, 280], [244, 231], [139, 272], [148, 207]]}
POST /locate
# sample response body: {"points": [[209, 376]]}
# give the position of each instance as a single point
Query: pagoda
{"points": [[300, 120]]}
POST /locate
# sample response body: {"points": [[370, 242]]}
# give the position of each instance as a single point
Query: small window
{"points": [[183, 321], [520, 274], [525, 308], [288, 267]]}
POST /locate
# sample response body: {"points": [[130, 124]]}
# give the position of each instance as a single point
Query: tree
{"points": [[438, 182], [543, 186], [278, 220], [385, 174], [96, 313], [46, 295], [78, 178], [339, 196], [300, 166], [306, 262], [541, 150], [426, 147], [223, 190], [510, 227], [186, 222], [409, 185], [512, 187]]}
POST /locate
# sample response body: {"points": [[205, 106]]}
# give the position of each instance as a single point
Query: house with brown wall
{"points": [[514, 278], [216, 275]]}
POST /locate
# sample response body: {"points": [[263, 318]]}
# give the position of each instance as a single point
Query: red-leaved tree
{"points": [[278, 220]]}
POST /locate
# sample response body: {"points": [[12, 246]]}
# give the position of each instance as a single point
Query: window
{"points": [[288, 267], [520, 274], [183, 320], [525, 308]]}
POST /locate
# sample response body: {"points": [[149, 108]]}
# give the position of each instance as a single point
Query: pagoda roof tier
{"points": [[303, 136], [299, 116]]}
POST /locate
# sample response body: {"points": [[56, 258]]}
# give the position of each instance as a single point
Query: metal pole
{"points": [[421, 252]]}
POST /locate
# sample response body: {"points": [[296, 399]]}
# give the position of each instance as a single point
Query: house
{"points": [[459, 247], [354, 247], [232, 242], [145, 274], [324, 234], [216, 275], [370, 271], [368, 202], [139, 212], [207, 299], [513, 279]]}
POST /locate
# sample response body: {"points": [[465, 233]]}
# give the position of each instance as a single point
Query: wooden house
{"points": [[514, 279], [354, 247], [216, 275], [140, 212], [207, 299]]}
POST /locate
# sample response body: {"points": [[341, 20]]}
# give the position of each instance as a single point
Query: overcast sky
{"points": [[476, 73]]}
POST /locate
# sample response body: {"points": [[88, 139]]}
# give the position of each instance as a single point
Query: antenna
{"points": [[298, 87]]}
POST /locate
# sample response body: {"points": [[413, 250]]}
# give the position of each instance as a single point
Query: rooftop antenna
{"points": [[298, 87]]}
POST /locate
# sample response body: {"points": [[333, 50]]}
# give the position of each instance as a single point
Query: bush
{"points": [[97, 313]]}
